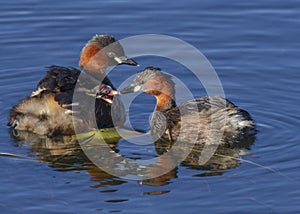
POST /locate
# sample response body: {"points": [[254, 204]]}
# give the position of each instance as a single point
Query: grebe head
{"points": [[152, 81], [103, 51]]}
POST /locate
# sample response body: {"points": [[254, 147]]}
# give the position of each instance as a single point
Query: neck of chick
{"points": [[164, 102], [164, 92], [94, 61]]}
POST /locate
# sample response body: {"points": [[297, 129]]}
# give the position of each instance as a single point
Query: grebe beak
{"points": [[125, 60], [131, 88]]}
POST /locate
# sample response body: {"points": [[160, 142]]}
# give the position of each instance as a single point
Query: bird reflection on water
{"points": [[64, 153]]}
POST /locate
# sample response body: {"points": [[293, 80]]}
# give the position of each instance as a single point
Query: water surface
{"points": [[254, 47]]}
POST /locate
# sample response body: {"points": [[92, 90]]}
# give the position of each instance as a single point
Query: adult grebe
{"points": [[49, 109]]}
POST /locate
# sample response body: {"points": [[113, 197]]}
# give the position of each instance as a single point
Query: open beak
{"points": [[125, 60], [110, 94], [106, 93]]}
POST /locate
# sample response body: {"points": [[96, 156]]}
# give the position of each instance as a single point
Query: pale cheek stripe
{"points": [[137, 88], [118, 60]]}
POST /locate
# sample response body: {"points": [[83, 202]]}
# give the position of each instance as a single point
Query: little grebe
{"points": [[49, 109], [200, 119]]}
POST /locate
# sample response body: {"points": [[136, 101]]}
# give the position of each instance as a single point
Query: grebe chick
{"points": [[212, 120], [50, 108]]}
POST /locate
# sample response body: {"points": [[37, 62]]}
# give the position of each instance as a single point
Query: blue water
{"points": [[254, 47]]}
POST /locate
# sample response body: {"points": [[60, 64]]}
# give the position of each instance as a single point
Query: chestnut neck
{"points": [[163, 89], [164, 102], [93, 61]]}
